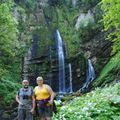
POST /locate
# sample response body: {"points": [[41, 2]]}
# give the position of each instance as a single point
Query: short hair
{"points": [[39, 78], [25, 80]]}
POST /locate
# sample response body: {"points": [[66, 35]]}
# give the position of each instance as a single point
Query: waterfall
{"points": [[50, 55], [74, 2], [90, 76], [29, 54], [62, 86], [50, 73], [70, 78], [90, 72]]}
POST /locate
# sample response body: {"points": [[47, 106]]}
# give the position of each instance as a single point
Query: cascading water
{"points": [[50, 73], [70, 78], [62, 86], [90, 76], [50, 55], [29, 54], [74, 2]]}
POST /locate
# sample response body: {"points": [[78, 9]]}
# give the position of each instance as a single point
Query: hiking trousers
{"points": [[24, 114]]}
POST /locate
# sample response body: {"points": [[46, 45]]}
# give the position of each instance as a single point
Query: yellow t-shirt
{"points": [[41, 93]]}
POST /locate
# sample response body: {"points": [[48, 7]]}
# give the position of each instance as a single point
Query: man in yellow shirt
{"points": [[44, 98]]}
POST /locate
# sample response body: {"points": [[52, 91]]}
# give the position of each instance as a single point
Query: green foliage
{"points": [[86, 32], [56, 2], [9, 84], [8, 36], [29, 4], [9, 45], [101, 104], [8, 30], [8, 87], [74, 34], [66, 21], [111, 22], [64, 17], [87, 4], [111, 67]]}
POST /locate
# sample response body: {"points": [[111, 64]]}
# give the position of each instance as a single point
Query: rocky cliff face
{"points": [[80, 31], [98, 50], [81, 35]]}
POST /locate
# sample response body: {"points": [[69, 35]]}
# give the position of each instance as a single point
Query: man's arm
{"points": [[17, 99], [33, 104]]}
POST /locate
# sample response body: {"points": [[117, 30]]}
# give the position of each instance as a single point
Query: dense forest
{"points": [[90, 29]]}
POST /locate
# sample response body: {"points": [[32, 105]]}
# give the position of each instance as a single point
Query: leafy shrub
{"points": [[101, 104], [108, 71], [8, 88]]}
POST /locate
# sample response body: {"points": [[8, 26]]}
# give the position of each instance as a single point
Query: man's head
{"points": [[39, 80], [25, 83]]}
